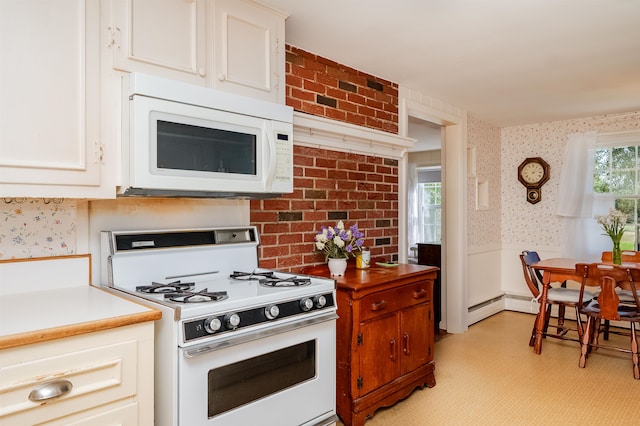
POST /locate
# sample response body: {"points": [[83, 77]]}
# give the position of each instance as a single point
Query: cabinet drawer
{"points": [[123, 415], [387, 301], [98, 374]]}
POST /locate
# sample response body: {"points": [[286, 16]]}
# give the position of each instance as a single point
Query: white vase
{"points": [[337, 266]]}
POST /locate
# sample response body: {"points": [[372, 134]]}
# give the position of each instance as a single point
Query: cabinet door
{"points": [[160, 37], [248, 50], [50, 100], [417, 337], [379, 353]]}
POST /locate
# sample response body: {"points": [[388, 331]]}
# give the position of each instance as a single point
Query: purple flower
{"points": [[338, 242]]}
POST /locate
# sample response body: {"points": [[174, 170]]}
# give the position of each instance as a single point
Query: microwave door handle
{"points": [[268, 131]]}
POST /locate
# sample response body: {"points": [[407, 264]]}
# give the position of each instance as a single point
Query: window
{"points": [[430, 204], [430, 211], [617, 177]]}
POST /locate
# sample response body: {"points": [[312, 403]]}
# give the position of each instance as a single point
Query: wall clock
{"points": [[533, 172]]}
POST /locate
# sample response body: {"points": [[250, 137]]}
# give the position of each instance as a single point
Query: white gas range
{"points": [[236, 344]]}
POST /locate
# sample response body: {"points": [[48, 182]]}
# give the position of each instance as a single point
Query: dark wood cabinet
{"points": [[430, 254], [385, 339]]}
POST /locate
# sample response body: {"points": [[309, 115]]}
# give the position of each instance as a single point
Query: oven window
{"points": [[240, 383], [187, 147]]}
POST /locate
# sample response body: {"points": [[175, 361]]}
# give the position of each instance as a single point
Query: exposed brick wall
{"points": [[329, 186], [322, 87]]}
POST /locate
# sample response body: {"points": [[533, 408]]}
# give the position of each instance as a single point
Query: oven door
{"points": [[284, 379]]}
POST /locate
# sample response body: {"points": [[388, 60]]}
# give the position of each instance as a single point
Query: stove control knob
{"points": [[306, 304], [212, 324], [232, 321], [320, 301], [272, 312]]}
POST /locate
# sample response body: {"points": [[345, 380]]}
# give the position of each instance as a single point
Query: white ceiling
{"points": [[428, 136], [506, 62]]}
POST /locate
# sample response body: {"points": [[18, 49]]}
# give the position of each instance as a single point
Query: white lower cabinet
{"points": [[99, 378]]}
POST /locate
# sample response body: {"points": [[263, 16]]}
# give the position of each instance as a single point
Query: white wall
{"points": [[484, 226]]}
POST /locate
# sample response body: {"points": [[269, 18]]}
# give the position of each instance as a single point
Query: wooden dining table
{"points": [[559, 269], [556, 269]]}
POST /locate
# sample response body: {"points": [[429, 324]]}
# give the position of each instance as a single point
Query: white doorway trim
{"points": [[454, 222]]}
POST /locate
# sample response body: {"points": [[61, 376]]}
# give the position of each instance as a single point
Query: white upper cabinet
{"points": [[160, 37], [231, 45], [50, 144], [249, 51]]}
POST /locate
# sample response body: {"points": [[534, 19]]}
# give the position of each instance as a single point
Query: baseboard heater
{"points": [[518, 297], [485, 303]]}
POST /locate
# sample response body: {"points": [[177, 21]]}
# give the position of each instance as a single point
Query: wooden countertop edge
{"points": [[381, 277], [77, 329]]}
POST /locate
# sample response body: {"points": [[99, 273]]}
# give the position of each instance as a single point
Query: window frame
{"points": [[619, 140]]}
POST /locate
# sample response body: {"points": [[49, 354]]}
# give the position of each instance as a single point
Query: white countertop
{"points": [[36, 312], [28, 312]]}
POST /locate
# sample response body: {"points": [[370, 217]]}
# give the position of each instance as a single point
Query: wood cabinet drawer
{"points": [[388, 301], [99, 371]]}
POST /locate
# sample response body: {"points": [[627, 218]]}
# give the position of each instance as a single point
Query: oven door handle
{"points": [[236, 340]]}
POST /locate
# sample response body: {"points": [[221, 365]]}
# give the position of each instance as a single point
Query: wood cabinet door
{"points": [[416, 337], [160, 37], [379, 353]]}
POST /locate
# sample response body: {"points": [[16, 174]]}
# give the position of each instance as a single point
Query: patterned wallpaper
{"points": [[525, 224], [37, 228], [483, 226]]}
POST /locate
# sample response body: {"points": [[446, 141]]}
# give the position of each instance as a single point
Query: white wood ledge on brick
{"points": [[323, 133]]}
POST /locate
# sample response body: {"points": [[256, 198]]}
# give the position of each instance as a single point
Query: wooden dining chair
{"points": [[628, 256], [561, 296], [610, 280]]}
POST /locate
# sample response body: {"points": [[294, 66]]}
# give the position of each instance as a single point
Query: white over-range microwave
{"points": [[181, 140]]}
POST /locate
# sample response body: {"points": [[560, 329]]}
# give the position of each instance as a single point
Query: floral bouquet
{"points": [[338, 242], [613, 224]]}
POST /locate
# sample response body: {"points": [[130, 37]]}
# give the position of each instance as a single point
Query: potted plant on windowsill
{"points": [[338, 243]]}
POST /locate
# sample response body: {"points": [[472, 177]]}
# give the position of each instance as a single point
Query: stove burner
{"points": [[284, 282], [173, 287], [248, 276], [201, 296]]}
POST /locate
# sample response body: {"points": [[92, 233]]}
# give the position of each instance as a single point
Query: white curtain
{"points": [[413, 221], [581, 235]]}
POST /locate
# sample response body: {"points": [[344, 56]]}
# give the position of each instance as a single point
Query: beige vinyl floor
{"points": [[489, 375]]}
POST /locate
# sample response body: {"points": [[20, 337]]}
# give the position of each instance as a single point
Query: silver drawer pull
{"points": [[50, 390]]}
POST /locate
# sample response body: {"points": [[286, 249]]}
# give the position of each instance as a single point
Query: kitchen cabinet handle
{"points": [[419, 294], [405, 337], [50, 390], [392, 347], [378, 306]]}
